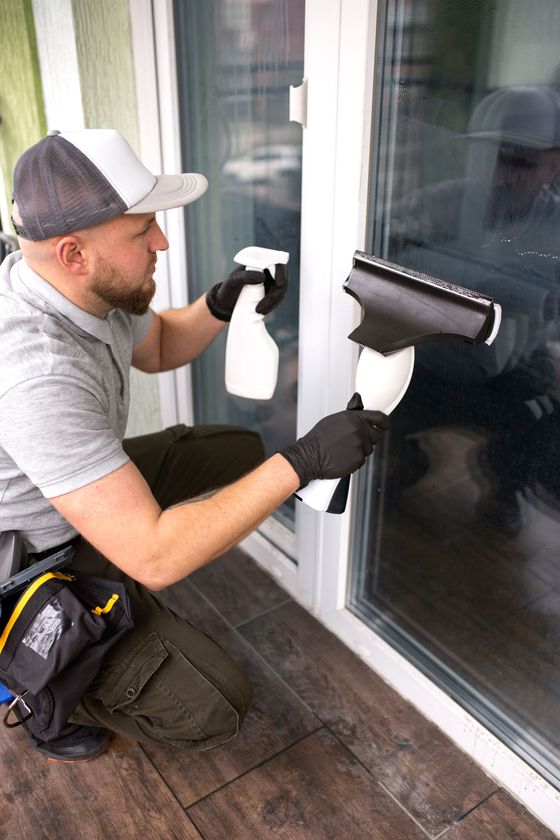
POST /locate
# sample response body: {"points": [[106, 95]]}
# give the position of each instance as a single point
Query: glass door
{"points": [[457, 522], [236, 60]]}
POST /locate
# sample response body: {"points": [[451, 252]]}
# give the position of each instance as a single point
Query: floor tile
{"points": [[499, 818], [432, 779], [120, 794], [314, 790], [237, 587]]}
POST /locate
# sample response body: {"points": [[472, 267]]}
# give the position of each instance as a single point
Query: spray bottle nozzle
{"points": [[260, 258]]}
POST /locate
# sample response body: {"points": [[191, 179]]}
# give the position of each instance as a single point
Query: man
{"points": [[74, 314], [494, 228]]}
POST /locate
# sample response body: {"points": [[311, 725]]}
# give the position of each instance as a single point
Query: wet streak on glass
{"points": [[236, 61], [456, 551]]}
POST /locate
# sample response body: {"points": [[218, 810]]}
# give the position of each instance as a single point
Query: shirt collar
{"points": [[97, 327]]}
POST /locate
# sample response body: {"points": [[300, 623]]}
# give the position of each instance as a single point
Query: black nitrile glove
{"points": [[222, 297], [338, 444]]}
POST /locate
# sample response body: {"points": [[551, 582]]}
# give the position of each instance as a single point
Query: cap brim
{"points": [[172, 191], [513, 138]]}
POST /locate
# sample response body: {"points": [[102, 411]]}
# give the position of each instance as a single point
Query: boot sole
{"points": [[79, 759]]}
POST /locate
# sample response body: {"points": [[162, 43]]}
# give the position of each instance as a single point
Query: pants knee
{"points": [[209, 701]]}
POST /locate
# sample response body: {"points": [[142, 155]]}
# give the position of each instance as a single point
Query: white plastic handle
{"points": [[382, 382], [318, 494]]}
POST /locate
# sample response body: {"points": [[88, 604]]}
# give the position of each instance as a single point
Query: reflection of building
{"points": [[441, 65], [261, 49]]}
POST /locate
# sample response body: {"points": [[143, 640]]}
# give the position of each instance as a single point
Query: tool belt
{"points": [[54, 634]]}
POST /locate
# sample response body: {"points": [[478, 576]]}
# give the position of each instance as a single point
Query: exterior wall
{"points": [[67, 64], [104, 51], [103, 44], [22, 116]]}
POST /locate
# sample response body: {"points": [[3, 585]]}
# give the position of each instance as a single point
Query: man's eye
{"points": [[145, 230]]}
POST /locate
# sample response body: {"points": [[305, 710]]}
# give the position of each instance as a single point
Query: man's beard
{"points": [[110, 286]]}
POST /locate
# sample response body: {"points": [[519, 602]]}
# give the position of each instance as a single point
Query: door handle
{"points": [[298, 103]]}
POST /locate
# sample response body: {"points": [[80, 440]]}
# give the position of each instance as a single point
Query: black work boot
{"points": [[76, 743], [83, 743]]}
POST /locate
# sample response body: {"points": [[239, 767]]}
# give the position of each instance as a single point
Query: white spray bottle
{"points": [[251, 352]]}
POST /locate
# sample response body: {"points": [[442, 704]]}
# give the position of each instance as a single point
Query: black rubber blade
{"points": [[402, 308]]}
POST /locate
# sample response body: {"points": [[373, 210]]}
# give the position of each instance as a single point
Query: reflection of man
{"points": [[509, 188], [496, 230], [74, 316]]}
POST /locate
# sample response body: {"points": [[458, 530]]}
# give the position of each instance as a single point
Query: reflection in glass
{"points": [[236, 61], [458, 554]]}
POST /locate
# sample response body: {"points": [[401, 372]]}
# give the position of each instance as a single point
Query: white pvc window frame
{"points": [[339, 67], [158, 127]]}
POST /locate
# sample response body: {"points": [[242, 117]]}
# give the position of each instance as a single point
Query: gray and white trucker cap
{"points": [[76, 179], [521, 115]]}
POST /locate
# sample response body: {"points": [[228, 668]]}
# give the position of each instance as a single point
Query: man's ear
{"points": [[72, 254]]}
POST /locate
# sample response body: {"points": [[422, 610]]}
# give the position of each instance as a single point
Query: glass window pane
{"points": [[456, 553], [236, 61]]}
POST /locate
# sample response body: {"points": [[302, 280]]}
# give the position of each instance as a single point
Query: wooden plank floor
{"points": [[328, 750]]}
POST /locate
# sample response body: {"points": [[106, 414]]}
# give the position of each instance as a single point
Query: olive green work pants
{"points": [[165, 680]]}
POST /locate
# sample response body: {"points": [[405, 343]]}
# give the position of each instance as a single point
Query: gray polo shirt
{"points": [[64, 397]]}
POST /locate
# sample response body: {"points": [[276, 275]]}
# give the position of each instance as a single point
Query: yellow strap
{"points": [[108, 606], [29, 592]]}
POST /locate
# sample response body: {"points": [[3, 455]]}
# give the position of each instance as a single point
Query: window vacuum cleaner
{"points": [[400, 308]]}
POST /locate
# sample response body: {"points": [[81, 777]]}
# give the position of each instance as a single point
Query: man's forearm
{"points": [[120, 516], [189, 536], [186, 332]]}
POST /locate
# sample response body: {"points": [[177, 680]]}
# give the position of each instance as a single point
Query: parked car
{"points": [[270, 173]]}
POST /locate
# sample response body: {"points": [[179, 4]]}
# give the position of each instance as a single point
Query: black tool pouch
{"points": [[54, 637]]}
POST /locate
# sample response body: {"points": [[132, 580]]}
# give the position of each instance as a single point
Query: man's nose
{"points": [[159, 240]]}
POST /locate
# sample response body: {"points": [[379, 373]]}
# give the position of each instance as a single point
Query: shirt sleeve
{"points": [[57, 433]]}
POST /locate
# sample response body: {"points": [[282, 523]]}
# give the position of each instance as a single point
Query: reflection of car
{"points": [[263, 165], [270, 173]]}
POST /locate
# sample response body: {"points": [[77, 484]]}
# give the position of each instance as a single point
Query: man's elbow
{"points": [[154, 577], [155, 587], [145, 567], [150, 365], [153, 580], [159, 572]]}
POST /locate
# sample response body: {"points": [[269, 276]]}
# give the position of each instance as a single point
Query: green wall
{"points": [[105, 62], [106, 70], [103, 43], [109, 100], [21, 102]]}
